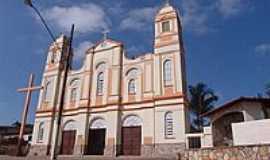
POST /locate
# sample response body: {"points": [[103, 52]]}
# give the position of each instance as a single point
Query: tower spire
{"points": [[105, 34], [167, 2]]}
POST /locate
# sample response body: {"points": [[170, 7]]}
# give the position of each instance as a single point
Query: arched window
{"points": [[131, 87], [53, 57], [167, 72], [168, 125], [40, 132], [100, 83], [133, 72], [73, 94], [47, 92], [74, 90]]}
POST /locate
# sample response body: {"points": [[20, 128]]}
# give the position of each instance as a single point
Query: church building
{"points": [[115, 105]]}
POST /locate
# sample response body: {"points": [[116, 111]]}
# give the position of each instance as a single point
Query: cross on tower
{"points": [[167, 2], [28, 90], [105, 34]]}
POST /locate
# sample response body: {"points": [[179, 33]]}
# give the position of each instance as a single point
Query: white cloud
{"points": [[86, 17], [231, 7], [138, 19], [263, 48], [198, 14], [80, 51], [195, 19]]}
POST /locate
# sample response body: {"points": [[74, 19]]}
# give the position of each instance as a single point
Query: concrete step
{"points": [[86, 158], [114, 158]]}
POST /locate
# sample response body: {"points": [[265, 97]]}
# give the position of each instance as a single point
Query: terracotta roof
{"points": [[235, 101]]}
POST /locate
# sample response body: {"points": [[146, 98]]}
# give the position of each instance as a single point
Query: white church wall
{"points": [[251, 133], [178, 127], [47, 123]]}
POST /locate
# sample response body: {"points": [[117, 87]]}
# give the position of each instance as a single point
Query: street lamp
{"points": [[30, 4]]}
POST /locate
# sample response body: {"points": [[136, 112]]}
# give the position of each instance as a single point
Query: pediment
{"points": [[106, 44]]}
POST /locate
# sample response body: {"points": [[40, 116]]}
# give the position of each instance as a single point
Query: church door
{"points": [[96, 141], [68, 141], [131, 140]]}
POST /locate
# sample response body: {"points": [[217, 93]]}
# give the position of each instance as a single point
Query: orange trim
{"points": [[109, 110], [162, 44], [148, 100], [131, 98]]}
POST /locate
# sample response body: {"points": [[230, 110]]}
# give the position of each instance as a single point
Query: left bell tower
{"points": [[51, 81], [49, 97]]}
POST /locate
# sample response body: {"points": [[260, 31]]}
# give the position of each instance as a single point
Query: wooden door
{"points": [[68, 142], [96, 141], [131, 140]]}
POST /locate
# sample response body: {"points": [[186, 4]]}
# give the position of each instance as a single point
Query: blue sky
{"points": [[227, 42]]}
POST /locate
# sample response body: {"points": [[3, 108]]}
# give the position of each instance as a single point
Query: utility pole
{"points": [[62, 98]]}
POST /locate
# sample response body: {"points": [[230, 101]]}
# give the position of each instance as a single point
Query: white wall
{"points": [[251, 133]]}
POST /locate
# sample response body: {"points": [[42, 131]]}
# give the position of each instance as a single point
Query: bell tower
{"points": [[168, 27], [170, 76], [168, 45], [51, 80]]}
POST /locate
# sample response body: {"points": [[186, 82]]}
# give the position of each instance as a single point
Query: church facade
{"points": [[115, 105]]}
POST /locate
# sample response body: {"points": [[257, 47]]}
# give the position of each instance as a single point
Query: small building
{"points": [[239, 111], [9, 137]]}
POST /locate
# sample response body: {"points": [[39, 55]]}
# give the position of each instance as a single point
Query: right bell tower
{"points": [[170, 81], [168, 46]]}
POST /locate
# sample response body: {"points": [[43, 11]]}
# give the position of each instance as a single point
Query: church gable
{"points": [[106, 44]]}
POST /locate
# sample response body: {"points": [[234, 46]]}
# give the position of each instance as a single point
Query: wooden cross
{"points": [[28, 90]]}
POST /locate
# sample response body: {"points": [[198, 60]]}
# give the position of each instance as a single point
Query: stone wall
{"points": [[38, 150], [261, 152]]}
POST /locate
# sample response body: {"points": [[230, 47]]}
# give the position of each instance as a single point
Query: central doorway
{"points": [[131, 136], [96, 141], [96, 137]]}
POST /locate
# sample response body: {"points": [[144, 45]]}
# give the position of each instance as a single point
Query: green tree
{"points": [[202, 100]]}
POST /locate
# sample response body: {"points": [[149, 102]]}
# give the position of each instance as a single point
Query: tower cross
{"points": [[167, 2], [28, 90], [105, 34]]}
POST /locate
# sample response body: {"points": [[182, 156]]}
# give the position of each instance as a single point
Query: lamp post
{"points": [[65, 70], [30, 4]]}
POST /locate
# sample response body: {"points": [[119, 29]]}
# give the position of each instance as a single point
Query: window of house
{"points": [[169, 125], [47, 92], [132, 87], [166, 26], [100, 83], [40, 132], [167, 72]]}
